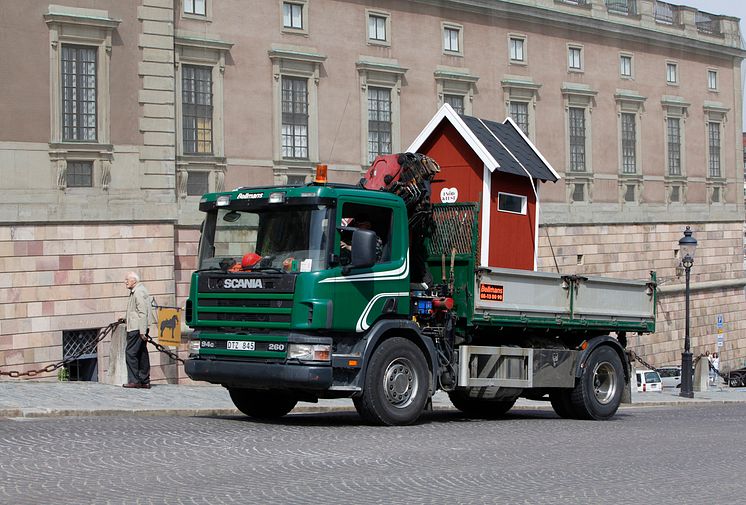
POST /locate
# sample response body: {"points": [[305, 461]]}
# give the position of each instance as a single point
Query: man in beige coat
{"points": [[136, 353]]}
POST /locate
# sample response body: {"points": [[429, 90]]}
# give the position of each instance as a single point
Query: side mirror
{"points": [[363, 249]]}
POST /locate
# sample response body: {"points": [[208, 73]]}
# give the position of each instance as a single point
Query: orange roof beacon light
{"points": [[320, 174]]}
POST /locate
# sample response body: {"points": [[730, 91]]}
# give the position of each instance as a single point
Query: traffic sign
{"points": [[720, 320]]}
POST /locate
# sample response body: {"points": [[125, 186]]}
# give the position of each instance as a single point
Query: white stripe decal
{"points": [[362, 322], [390, 275]]}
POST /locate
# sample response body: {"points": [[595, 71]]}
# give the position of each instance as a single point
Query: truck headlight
{"points": [[310, 352], [194, 346]]}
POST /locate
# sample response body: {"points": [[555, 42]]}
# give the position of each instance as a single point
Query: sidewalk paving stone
{"points": [[52, 399]]}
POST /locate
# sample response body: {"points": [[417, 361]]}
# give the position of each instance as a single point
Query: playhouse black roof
{"points": [[509, 148]]}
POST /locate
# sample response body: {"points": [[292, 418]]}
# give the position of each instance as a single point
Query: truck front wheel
{"points": [[598, 392], [396, 384], [262, 404]]}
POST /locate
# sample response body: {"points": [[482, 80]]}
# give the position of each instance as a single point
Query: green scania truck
{"points": [[340, 291]]}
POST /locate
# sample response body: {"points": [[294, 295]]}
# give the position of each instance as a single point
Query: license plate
{"points": [[240, 345]]}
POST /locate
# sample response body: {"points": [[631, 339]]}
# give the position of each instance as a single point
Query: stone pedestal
{"points": [[116, 372], [701, 375]]}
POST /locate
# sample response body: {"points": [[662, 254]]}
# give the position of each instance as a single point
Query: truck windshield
{"points": [[289, 239]]}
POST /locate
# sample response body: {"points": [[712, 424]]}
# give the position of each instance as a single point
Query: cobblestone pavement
{"points": [[48, 399], [662, 455]]}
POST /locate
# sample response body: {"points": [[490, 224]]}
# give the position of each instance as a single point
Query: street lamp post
{"points": [[687, 246]]}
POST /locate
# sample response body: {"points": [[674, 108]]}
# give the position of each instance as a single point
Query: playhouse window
{"points": [[515, 204]]}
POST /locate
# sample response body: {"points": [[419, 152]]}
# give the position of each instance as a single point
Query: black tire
{"points": [[735, 382], [598, 393], [397, 383], [479, 407], [562, 404], [262, 404]]}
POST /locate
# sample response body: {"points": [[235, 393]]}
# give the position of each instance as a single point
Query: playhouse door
{"points": [[512, 233]]}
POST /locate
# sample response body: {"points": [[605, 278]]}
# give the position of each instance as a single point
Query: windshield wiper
{"points": [[262, 269]]}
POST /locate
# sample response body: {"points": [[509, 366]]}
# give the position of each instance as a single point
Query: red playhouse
{"points": [[478, 157]]}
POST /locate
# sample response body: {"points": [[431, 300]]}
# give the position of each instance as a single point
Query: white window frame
{"points": [[630, 58], [513, 56], [380, 73], [571, 49], [82, 27], [582, 97], [386, 16], [207, 4], [459, 29], [304, 64], [189, 50], [672, 73], [712, 75], [303, 4], [675, 107], [524, 203]]}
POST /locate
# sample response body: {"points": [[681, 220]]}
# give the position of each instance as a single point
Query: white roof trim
{"points": [[517, 128], [447, 112]]}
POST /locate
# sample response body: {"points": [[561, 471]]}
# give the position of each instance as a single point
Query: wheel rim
{"points": [[604, 382], [400, 383]]}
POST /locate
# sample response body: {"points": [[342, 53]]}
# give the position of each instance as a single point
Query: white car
{"points": [[670, 376], [648, 380]]}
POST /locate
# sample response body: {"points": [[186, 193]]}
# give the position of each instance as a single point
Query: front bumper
{"points": [[245, 374]]}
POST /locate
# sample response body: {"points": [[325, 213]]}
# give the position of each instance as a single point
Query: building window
{"points": [[79, 174], [377, 28], [379, 122], [515, 204], [674, 195], [712, 80], [673, 127], [625, 66], [196, 7], [196, 109], [79, 116], [575, 58], [629, 192], [714, 148], [672, 73], [624, 7], [292, 15], [629, 144], [455, 101], [519, 113], [577, 139], [294, 118], [578, 192], [197, 183], [517, 49], [453, 39]]}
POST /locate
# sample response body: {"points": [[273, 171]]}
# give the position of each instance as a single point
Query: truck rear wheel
{"points": [[598, 393], [396, 384], [561, 403], [262, 404], [479, 407]]}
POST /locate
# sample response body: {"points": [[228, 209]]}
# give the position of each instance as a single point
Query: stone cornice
{"points": [[584, 21]]}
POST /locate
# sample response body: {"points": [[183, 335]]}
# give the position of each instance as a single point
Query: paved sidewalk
{"points": [[51, 399]]}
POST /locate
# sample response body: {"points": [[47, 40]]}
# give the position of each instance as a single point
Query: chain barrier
{"points": [[54, 366], [694, 362], [165, 351], [103, 333]]}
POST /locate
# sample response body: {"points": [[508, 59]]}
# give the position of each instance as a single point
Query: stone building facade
{"points": [[124, 113]]}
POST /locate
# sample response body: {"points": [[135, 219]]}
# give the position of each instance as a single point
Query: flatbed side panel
{"points": [[597, 297], [520, 297], [507, 292]]}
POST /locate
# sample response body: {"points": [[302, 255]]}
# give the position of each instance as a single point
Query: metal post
{"points": [[686, 356]]}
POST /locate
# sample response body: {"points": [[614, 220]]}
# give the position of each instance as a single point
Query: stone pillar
{"points": [[701, 375], [116, 372]]}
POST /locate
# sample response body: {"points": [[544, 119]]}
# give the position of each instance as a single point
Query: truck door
{"points": [[363, 295]]}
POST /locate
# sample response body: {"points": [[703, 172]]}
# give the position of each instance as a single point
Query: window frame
{"points": [[571, 48], [522, 90], [711, 72], [523, 39], [386, 17], [90, 175], [454, 81], [292, 80], [379, 151], [630, 57], [193, 14], [527, 104], [523, 199], [198, 71], [305, 21], [452, 27], [712, 157], [672, 65], [79, 100]]}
